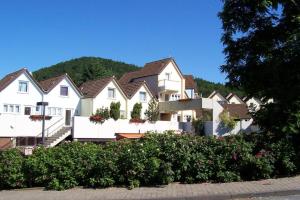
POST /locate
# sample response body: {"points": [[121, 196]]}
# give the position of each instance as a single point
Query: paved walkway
{"points": [[237, 190]]}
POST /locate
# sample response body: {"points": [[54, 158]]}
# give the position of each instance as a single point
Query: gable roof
{"points": [[51, 83], [190, 83], [131, 88], [240, 111], [245, 99], [150, 69], [231, 95], [9, 78], [91, 89], [214, 93]]}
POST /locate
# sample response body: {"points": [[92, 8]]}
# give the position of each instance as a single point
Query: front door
{"points": [[68, 118]]}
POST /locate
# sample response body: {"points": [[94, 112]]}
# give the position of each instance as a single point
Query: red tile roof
{"points": [[239, 111], [91, 89], [129, 135], [190, 82], [50, 83], [150, 69], [8, 79]]}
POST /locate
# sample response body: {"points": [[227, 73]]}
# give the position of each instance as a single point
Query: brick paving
{"points": [[235, 190]]}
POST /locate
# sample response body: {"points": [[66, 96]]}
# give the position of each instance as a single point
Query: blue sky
{"points": [[39, 33]]}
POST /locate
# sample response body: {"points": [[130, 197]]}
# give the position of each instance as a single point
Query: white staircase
{"points": [[57, 137]]}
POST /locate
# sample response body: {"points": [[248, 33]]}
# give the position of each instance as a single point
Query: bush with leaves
{"points": [[155, 159], [136, 111], [11, 169], [115, 110], [152, 113], [227, 121]]}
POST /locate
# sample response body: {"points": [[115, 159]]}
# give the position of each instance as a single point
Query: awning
{"points": [[120, 136]]}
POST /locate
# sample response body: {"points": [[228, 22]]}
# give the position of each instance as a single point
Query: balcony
{"points": [[169, 85]]}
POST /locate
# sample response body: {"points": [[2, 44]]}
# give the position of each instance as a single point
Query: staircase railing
{"points": [[47, 130]]}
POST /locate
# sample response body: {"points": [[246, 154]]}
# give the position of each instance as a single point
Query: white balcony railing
{"points": [[169, 85]]}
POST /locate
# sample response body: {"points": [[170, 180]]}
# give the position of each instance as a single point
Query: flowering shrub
{"points": [[155, 159], [100, 116], [39, 117], [137, 120]]}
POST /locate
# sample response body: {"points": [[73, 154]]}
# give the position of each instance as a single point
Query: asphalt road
{"points": [[291, 197]]}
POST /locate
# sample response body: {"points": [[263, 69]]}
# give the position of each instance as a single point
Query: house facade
{"points": [[99, 94], [20, 116]]}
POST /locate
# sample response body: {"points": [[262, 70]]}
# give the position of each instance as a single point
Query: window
{"points": [[64, 91], [111, 93], [167, 97], [17, 110], [5, 108], [143, 96], [49, 111], [168, 75], [59, 111], [27, 111], [122, 114], [23, 86], [11, 108]]}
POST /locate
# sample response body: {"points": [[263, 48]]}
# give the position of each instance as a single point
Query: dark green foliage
{"points": [[156, 159], [262, 47], [115, 110], [11, 169], [136, 111], [85, 68], [206, 88], [152, 113], [104, 112]]}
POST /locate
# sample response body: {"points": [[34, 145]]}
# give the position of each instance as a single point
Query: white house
{"points": [[101, 93], [20, 117], [218, 97], [137, 92], [63, 97], [234, 99], [166, 83], [253, 103]]}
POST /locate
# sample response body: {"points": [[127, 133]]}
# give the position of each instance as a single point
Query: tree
{"points": [[115, 110], [152, 113], [262, 48], [136, 111]]}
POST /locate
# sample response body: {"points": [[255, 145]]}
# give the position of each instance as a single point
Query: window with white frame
{"points": [[64, 91], [111, 93], [11, 108], [53, 111], [23, 86], [143, 97], [27, 110], [122, 114]]}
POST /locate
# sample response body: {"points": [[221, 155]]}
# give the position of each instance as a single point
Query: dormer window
{"points": [[23, 86], [64, 91], [111, 93]]}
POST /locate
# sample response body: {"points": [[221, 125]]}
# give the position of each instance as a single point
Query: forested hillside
{"points": [[85, 68], [90, 68], [206, 87]]}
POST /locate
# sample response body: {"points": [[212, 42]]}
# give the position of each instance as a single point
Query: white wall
{"points": [[218, 97], [86, 107], [136, 99], [85, 129], [13, 125], [255, 103], [103, 101], [10, 94], [235, 100], [70, 102]]}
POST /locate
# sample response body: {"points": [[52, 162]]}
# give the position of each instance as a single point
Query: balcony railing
{"points": [[169, 85]]}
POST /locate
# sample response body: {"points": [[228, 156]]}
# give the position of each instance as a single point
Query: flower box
{"points": [[39, 117], [137, 120], [184, 100], [97, 119]]}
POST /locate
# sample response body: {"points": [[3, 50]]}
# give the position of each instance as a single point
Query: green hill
{"points": [[90, 68], [85, 68], [206, 87]]}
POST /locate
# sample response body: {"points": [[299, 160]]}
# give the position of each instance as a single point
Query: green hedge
{"points": [[156, 159]]}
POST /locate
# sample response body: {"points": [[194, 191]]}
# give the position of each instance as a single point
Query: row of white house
{"points": [[71, 106]]}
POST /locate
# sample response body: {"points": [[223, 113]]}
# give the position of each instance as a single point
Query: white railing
{"points": [[56, 126], [169, 85]]}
